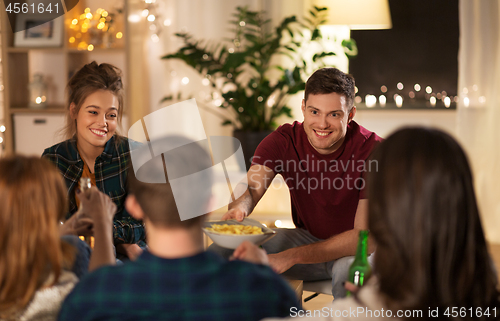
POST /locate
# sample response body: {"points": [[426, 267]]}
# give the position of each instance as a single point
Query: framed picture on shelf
{"points": [[38, 30]]}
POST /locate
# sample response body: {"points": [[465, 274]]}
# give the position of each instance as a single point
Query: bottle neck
{"points": [[362, 250]]}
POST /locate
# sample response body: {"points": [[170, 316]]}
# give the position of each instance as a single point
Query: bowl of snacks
{"points": [[231, 233]]}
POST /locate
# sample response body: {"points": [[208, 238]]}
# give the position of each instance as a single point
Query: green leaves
{"points": [[243, 70]]}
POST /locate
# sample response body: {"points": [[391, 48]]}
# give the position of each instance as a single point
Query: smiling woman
{"points": [[94, 150]]}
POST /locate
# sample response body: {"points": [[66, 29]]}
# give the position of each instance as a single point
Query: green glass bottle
{"points": [[360, 270]]}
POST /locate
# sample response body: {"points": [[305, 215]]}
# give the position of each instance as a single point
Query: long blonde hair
{"points": [[32, 201]]}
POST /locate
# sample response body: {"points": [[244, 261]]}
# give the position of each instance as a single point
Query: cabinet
{"points": [[57, 64]]}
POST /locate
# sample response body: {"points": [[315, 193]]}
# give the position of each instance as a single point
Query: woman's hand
{"points": [[77, 225], [351, 287], [97, 206], [251, 253], [101, 210]]}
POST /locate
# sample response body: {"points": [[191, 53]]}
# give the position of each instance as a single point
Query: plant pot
{"points": [[249, 142]]}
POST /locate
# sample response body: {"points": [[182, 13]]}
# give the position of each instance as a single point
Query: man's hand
{"points": [[234, 213], [282, 261], [249, 252], [258, 179], [132, 251]]}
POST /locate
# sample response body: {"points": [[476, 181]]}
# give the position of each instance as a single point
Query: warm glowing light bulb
{"points": [[370, 101], [205, 82], [104, 14], [72, 40], [400, 86], [428, 89], [382, 100], [399, 101], [151, 18], [90, 47], [88, 16], [134, 18], [119, 35], [145, 12], [87, 10], [278, 223], [417, 87], [38, 100], [447, 102], [74, 21], [2, 129], [433, 101]]}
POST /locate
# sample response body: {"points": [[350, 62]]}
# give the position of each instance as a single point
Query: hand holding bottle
{"points": [[97, 206], [360, 270]]}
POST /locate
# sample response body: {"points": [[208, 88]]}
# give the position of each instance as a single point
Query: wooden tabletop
{"points": [[297, 286]]}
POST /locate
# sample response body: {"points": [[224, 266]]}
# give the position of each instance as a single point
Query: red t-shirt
{"points": [[324, 189]]}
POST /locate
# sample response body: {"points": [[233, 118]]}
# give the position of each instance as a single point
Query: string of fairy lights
{"points": [[401, 96], [152, 13], [95, 30]]}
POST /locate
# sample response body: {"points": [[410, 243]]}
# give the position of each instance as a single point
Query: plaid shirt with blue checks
{"points": [[203, 287], [111, 178]]}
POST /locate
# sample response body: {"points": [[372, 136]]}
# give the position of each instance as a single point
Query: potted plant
{"points": [[247, 72]]}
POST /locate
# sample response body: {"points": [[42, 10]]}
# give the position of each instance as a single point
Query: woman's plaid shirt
{"points": [[111, 178]]}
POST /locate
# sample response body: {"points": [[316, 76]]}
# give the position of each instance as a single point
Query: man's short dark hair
{"points": [[331, 80], [157, 199]]}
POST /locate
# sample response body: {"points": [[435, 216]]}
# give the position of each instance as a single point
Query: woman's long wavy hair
{"points": [[431, 251], [32, 202], [86, 81]]}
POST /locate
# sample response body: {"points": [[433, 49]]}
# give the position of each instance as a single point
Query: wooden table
{"points": [[297, 286]]}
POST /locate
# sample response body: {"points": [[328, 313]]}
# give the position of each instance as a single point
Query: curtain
{"points": [[478, 111]]}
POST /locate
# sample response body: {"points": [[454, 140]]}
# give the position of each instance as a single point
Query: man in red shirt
{"points": [[323, 161]]}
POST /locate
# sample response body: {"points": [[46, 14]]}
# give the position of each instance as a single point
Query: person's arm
{"points": [[249, 252], [132, 251], [340, 245], [128, 235], [101, 209], [259, 178]]}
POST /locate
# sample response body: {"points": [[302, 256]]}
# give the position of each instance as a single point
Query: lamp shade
{"points": [[357, 14]]}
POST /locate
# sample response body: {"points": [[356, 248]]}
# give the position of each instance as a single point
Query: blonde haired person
{"points": [[95, 150], [34, 261]]}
